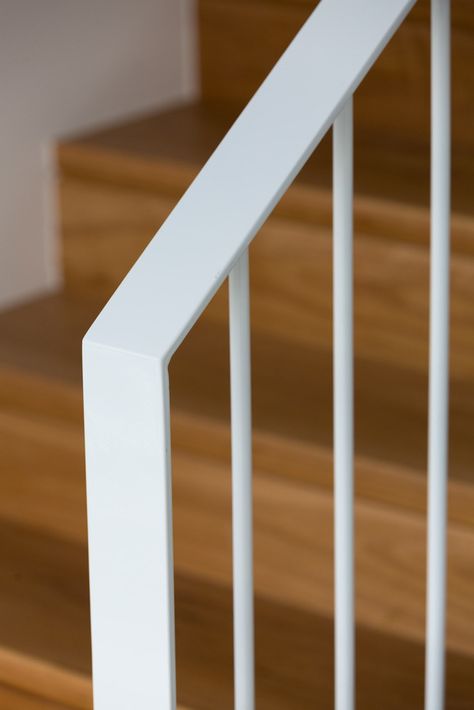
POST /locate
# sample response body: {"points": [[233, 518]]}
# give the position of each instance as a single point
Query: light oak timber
{"points": [[60, 686], [293, 525], [290, 276], [294, 659], [43, 336], [43, 686], [398, 80], [292, 391], [41, 424], [292, 397], [291, 282], [163, 151], [392, 209], [266, 29], [130, 176], [113, 200], [276, 455], [421, 11], [44, 617], [12, 699], [42, 481], [46, 580], [102, 243], [293, 552]]}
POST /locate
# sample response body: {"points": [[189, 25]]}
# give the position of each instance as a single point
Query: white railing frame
{"points": [[242, 499], [126, 354], [439, 352], [343, 409]]}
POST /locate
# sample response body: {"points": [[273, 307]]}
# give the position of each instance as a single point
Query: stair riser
{"points": [[293, 522], [294, 652], [105, 228], [392, 103]]}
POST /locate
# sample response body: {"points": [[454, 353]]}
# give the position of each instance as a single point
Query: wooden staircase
{"points": [[116, 186]]}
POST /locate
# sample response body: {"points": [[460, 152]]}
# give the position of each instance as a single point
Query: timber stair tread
{"points": [[187, 134], [42, 485], [43, 595], [292, 384], [119, 184], [293, 646]]}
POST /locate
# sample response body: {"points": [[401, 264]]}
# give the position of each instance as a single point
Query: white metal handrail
{"points": [[127, 351]]}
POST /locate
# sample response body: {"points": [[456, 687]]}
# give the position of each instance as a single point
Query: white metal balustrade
{"points": [[439, 351], [127, 351]]}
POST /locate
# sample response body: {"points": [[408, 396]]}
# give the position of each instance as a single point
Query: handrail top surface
{"points": [[194, 250]]}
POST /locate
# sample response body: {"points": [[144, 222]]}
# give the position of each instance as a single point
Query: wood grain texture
{"points": [[292, 395], [163, 150], [102, 243], [241, 41], [42, 481], [290, 276], [294, 653], [291, 295], [293, 524], [292, 385], [293, 646], [118, 186], [45, 679], [293, 552], [116, 189], [43, 586], [12, 699], [44, 336], [263, 29]]}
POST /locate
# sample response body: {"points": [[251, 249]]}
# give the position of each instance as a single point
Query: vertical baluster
{"points": [[439, 352], [242, 524], [343, 407]]}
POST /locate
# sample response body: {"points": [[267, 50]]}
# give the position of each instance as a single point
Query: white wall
{"points": [[65, 66]]}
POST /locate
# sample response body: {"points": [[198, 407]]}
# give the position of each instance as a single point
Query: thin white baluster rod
{"points": [[439, 352], [242, 524], [343, 407]]}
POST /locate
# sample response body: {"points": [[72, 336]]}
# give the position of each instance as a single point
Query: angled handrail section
{"points": [[127, 350], [192, 253]]}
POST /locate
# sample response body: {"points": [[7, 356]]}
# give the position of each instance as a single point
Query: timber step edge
{"points": [[293, 647], [292, 391], [43, 485], [118, 185]]}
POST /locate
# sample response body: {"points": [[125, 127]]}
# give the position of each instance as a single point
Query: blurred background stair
{"points": [[115, 187]]}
